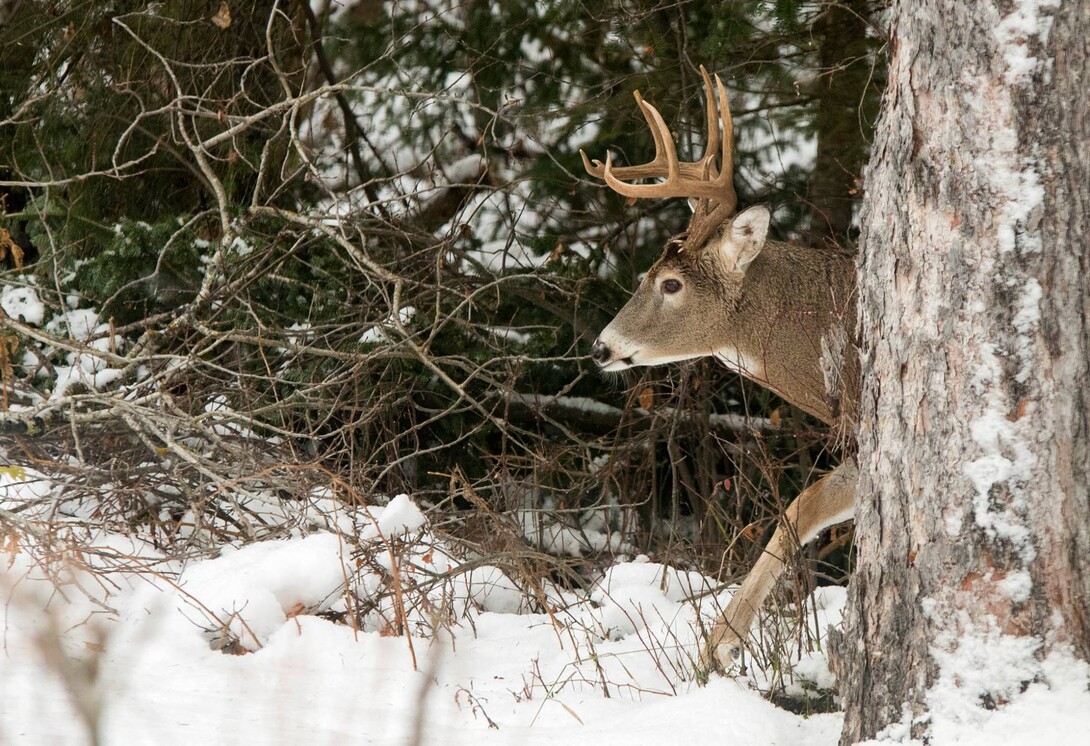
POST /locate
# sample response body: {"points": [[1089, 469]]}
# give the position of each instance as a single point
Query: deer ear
{"points": [[745, 237]]}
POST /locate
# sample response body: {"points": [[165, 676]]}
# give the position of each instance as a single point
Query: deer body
{"points": [[779, 314]]}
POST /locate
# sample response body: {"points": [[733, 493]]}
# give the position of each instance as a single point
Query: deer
{"points": [[779, 314]]}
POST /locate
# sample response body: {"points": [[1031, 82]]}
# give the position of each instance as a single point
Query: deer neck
{"points": [[792, 327]]}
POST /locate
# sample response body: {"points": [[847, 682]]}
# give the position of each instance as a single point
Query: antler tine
{"points": [[682, 179], [726, 167], [718, 116], [665, 154], [660, 133], [713, 116], [711, 213]]}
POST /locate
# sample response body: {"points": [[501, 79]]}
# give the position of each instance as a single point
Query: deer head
{"points": [[689, 302], [683, 307]]}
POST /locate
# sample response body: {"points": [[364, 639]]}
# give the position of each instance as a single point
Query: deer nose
{"points": [[599, 352]]}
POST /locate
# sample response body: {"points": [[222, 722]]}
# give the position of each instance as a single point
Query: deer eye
{"points": [[671, 286]]}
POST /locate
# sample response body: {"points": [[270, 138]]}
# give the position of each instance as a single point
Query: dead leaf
{"points": [[752, 532], [647, 398], [222, 19], [8, 247], [296, 610], [11, 547], [15, 473], [775, 417]]}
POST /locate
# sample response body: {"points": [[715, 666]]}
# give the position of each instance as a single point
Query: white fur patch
{"points": [[743, 364]]}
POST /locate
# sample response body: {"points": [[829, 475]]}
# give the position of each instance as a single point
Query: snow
{"points": [[248, 593], [78, 324], [401, 516], [1026, 319], [992, 689], [1006, 460], [813, 672], [1015, 34], [380, 333], [593, 406], [22, 303], [240, 247], [1009, 175], [244, 646], [509, 334], [71, 377], [1017, 586], [85, 371]]}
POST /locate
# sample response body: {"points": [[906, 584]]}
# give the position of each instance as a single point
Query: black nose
{"points": [[599, 352]]}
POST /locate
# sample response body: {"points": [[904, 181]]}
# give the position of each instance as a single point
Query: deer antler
{"points": [[702, 179]]}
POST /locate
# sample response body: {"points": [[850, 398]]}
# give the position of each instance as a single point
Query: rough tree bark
{"points": [[973, 522]]}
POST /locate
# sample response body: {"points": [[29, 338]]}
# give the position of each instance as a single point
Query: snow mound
{"points": [[22, 303], [249, 593]]}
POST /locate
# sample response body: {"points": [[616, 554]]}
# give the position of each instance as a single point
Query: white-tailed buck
{"points": [[779, 314]]}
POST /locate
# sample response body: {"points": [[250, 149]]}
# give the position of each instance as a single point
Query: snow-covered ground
{"points": [[253, 646]]}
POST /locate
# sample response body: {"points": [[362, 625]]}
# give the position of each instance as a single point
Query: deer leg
{"points": [[826, 502]]}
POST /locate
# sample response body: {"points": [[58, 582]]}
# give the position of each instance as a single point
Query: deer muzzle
{"points": [[608, 356]]}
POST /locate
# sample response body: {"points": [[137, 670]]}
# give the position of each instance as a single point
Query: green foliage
{"points": [[788, 15], [139, 271]]}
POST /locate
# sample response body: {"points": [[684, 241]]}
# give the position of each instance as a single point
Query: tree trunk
{"points": [[973, 521]]}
